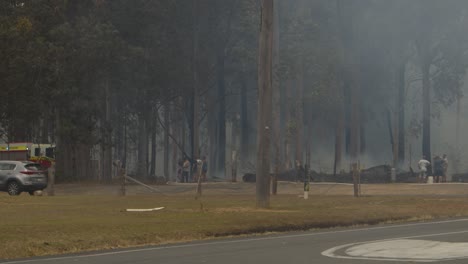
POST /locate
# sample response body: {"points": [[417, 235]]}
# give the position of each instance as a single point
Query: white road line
{"points": [[331, 252], [230, 242]]}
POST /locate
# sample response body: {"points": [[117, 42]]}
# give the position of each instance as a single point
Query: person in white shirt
{"points": [[422, 165]]}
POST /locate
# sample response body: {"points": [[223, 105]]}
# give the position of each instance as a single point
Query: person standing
{"points": [[438, 168], [185, 170], [180, 165], [422, 165]]}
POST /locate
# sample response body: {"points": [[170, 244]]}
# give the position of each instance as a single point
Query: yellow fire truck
{"points": [[40, 153]]}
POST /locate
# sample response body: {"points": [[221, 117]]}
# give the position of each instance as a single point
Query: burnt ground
{"points": [[376, 174]]}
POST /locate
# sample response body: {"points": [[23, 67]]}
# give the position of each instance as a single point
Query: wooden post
{"points": [[199, 182], [360, 167], [234, 166], [306, 183], [355, 172], [123, 179], [264, 104], [276, 100], [51, 180]]}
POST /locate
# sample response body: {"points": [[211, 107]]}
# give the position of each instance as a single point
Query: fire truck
{"points": [[20, 151]]}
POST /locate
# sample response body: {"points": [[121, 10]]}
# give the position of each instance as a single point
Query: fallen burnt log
{"points": [[249, 177], [377, 174], [460, 177]]}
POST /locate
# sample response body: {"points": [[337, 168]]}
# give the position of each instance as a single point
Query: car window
{"points": [[7, 166], [33, 167]]}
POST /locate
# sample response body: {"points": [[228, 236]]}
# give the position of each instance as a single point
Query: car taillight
{"points": [[31, 172], [28, 172]]}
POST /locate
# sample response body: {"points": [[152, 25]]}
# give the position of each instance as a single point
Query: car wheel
{"points": [[31, 193], [13, 188]]}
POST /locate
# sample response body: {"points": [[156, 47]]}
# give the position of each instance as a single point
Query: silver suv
{"points": [[22, 176]]}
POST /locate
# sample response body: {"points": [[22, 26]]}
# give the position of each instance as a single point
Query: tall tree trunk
{"points": [[426, 140], [221, 118], [142, 147], [148, 153], [264, 104], [288, 120], [299, 115], [45, 130], [84, 162], [355, 136], [276, 102], [119, 134], [212, 137], [308, 150], [351, 74], [395, 140], [59, 145], [196, 99], [362, 135], [183, 131], [401, 113], [244, 126], [168, 126], [390, 131], [338, 142], [106, 144], [345, 47], [338, 84], [234, 151], [396, 118], [456, 163], [182, 135], [355, 120], [125, 138], [154, 139], [195, 127], [175, 150]]}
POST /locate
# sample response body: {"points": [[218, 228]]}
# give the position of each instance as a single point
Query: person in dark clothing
{"points": [[438, 168], [185, 170], [180, 165]]}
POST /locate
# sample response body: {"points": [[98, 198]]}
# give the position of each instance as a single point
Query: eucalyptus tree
{"points": [[86, 48], [23, 69], [157, 66], [309, 67], [440, 39]]}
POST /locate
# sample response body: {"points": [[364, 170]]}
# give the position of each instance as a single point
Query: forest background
{"points": [[147, 82]]}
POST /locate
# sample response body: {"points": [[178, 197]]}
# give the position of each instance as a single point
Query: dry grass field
{"points": [[444, 189], [92, 217]]}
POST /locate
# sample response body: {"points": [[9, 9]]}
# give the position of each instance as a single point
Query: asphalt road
{"points": [[445, 241]]}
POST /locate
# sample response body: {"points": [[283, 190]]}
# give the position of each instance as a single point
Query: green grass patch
{"points": [[33, 226]]}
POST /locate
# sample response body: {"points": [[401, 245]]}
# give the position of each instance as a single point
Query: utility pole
{"points": [[276, 102], [264, 104]]}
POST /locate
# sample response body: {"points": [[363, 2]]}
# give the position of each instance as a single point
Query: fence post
{"points": [[199, 182]]}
